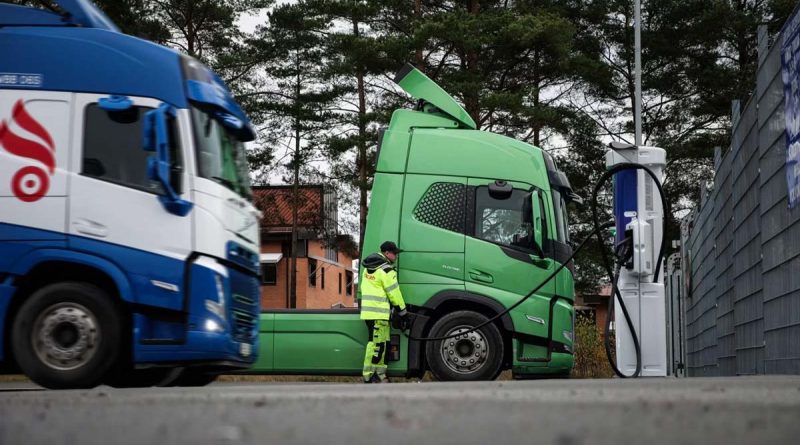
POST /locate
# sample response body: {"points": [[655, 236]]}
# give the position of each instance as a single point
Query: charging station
{"points": [[639, 214]]}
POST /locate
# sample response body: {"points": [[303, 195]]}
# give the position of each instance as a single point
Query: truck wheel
{"points": [[67, 335], [190, 377], [477, 355]]}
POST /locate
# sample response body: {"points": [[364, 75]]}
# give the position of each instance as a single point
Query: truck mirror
{"points": [[527, 209], [537, 214], [156, 139]]}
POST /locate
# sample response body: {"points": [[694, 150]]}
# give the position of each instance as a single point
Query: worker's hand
{"points": [[405, 320]]}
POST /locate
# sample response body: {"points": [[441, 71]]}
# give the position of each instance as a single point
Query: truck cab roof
{"points": [[81, 13], [77, 48]]}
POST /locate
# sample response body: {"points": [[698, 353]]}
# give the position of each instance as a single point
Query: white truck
{"points": [[128, 242]]}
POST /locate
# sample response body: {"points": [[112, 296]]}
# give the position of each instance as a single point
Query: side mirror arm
{"points": [[156, 139]]}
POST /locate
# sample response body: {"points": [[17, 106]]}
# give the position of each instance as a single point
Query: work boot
{"points": [[374, 379]]}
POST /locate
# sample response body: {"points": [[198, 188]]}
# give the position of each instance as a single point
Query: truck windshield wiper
{"points": [[226, 182]]}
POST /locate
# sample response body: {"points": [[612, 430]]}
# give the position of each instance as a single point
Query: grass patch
{"points": [[13, 378]]}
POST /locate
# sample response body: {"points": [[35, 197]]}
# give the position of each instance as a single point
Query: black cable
{"points": [[607, 264], [580, 247]]}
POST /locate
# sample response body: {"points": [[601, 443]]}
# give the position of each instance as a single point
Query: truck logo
{"points": [[30, 183]]}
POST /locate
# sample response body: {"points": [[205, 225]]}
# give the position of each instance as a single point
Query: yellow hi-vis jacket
{"points": [[379, 288]]}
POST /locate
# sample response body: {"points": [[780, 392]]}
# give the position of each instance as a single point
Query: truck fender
{"points": [[39, 256], [434, 302]]}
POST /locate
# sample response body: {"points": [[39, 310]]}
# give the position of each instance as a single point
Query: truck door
{"points": [[503, 250], [114, 209], [432, 236]]}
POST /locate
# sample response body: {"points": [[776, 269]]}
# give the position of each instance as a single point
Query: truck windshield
{"points": [[221, 157]]}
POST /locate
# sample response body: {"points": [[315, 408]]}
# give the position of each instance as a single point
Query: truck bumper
{"points": [[560, 364], [199, 346]]}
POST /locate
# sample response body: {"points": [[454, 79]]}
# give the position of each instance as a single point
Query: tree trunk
{"points": [[418, 59], [537, 128], [295, 194], [363, 186], [471, 99]]}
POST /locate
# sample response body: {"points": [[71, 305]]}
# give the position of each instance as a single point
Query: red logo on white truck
{"points": [[29, 183]]}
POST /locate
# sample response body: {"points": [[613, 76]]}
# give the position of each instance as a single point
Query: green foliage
{"points": [[590, 354]]}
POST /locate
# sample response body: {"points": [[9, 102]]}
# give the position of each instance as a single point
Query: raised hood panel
{"points": [[86, 14], [418, 85]]}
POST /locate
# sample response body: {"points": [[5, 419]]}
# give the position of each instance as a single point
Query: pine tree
{"points": [[295, 102], [358, 57]]}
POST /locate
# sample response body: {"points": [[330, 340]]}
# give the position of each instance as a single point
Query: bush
{"points": [[590, 354]]}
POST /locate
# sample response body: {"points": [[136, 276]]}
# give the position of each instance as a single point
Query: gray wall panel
{"points": [[742, 313]]}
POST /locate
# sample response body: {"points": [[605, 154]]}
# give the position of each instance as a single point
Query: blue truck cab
{"points": [[128, 240]]}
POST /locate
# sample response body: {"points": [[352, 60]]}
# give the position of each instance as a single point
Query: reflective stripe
{"points": [[375, 298], [387, 267], [392, 287], [375, 310]]}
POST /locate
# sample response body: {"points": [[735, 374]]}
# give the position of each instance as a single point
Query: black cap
{"points": [[390, 246]]}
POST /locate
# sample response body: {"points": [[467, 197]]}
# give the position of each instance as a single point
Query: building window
{"points": [[312, 272], [331, 254], [323, 278], [348, 285], [112, 149], [269, 274], [340, 283]]}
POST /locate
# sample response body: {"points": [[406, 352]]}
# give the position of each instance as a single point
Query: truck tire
{"points": [[477, 355], [67, 335], [195, 378]]}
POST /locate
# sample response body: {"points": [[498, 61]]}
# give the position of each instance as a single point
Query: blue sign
{"points": [[790, 64]]}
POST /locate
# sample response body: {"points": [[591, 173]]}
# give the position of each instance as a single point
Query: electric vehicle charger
{"points": [[597, 231]]}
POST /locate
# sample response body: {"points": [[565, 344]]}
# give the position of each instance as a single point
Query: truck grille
{"points": [[244, 309], [243, 324]]}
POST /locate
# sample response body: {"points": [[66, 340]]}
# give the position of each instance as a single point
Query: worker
{"points": [[380, 291]]}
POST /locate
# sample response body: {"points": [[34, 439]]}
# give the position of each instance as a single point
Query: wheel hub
{"points": [[65, 336], [465, 353]]}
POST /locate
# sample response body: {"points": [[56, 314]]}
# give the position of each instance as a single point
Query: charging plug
{"points": [[624, 250]]}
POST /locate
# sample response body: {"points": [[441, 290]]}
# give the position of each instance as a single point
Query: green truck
{"points": [[482, 220]]}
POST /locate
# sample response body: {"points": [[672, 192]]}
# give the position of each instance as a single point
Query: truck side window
{"points": [[501, 221], [112, 148], [443, 205]]}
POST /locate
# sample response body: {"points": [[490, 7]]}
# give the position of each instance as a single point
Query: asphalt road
{"points": [[740, 410]]}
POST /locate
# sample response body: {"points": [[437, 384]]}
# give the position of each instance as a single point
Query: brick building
{"points": [[594, 306], [324, 258]]}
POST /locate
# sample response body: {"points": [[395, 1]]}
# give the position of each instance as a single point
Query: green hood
{"points": [[420, 86]]}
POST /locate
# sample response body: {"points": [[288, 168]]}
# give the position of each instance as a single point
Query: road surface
{"points": [[738, 410]]}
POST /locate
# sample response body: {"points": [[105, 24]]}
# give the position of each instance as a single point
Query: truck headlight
{"points": [[213, 326], [217, 307]]}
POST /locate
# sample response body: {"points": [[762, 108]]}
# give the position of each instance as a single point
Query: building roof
{"points": [[275, 203]]}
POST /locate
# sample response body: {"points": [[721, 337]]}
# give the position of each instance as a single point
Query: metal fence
{"points": [[738, 278]]}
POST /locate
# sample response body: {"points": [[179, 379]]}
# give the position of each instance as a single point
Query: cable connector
{"points": [[623, 251]]}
